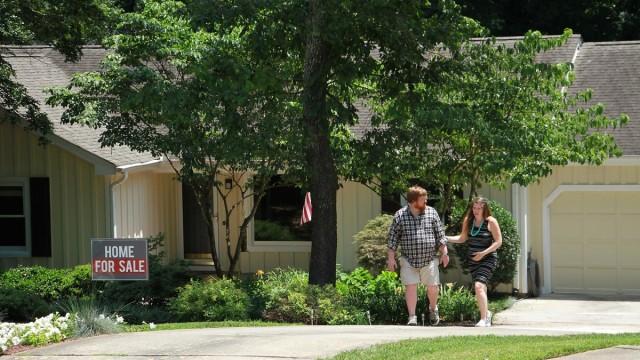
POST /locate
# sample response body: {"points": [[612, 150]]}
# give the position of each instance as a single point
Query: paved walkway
{"points": [[614, 353], [290, 342], [554, 315]]}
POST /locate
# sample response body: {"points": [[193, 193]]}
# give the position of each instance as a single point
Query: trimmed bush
{"points": [[269, 231], [507, 254], [211, 300], [47, 283], [287, 297], [371, 244], [147, 300], [18, 305]]}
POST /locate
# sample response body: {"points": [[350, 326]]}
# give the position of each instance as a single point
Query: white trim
{"points": [[546, 219], [270, 246], [112, 186], [520, 203], [179, 223], [20, 251], [102, 166], [160, 165], [626, 160]]}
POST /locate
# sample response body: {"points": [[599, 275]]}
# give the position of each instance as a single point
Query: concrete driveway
{"points": [[555, 315], [578, 312]]}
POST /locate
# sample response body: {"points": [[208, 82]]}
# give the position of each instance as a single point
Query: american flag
{"points": [[306, 209]]}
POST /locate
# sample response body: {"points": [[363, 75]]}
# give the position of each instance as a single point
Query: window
{"points": [[276, 224], [278, 215], [14, 217]]}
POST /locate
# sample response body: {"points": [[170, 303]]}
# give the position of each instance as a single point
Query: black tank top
{"points": [[480, 240]]}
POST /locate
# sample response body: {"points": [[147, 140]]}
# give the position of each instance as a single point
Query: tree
{"points": [[65, 24], [341, 53], [170, 87], [307, 62], [596, 20], [493, 114]]}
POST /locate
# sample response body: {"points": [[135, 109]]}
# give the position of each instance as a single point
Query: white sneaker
{"points": [[413, 320], [482, 323]]}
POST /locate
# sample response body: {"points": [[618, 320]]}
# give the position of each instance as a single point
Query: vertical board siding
{"points": [[79, 202], [145, 207], [570, 175]]}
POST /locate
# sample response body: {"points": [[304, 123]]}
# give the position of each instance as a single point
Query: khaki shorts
{"points": [[428, 275]]}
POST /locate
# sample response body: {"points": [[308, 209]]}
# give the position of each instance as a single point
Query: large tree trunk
{"points": [[324, 178]]}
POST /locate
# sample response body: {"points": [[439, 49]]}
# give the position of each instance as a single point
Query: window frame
{"points": [[19, 251], [254, 245]]}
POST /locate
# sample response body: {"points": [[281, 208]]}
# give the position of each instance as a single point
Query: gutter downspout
{"points": [[125, 176]]}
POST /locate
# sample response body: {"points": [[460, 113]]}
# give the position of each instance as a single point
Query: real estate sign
{"points": [[119, 259]]}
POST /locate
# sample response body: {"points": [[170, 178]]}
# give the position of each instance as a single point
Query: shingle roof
{"points": [[561, 54], [41, 67], [612, 71]]}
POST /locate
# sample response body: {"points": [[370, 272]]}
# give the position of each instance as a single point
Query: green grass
{"points": [[491, 347], [201, 325]]}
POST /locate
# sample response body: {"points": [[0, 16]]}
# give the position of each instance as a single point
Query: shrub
{"points": [[287, 297], [47, 283], [267, 230], [154, 294], [382, 296], [90, 318], [21, 306], [456, 304], [508, 252], [371, 243], [139, 314], [211, 300]]}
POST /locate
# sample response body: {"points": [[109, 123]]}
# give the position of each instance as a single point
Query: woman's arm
{"points": [[464, 235], [494, 229], [458, 239]]}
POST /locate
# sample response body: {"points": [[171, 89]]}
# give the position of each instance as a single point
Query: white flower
{"points": [[119, 319], [152, 326]]}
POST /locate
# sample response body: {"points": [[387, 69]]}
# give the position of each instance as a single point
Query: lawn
{"points": [[201, 325], [491, 347]]}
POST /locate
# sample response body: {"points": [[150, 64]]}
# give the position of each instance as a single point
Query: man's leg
{"points": [[481, 296], [411, 297], [432, 293], [431, 278]]}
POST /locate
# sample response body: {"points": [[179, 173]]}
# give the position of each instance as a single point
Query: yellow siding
{"points": [[356, 205], [572, 175], [501, 196], [146, 205], [79, 201]]}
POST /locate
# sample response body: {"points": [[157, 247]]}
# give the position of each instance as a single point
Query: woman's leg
{"points": [[481, 297]]}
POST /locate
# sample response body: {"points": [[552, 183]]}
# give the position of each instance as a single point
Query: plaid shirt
{"points": [[418, 236]]}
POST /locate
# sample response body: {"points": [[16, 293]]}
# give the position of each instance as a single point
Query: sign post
{"points": [[119, 259]]}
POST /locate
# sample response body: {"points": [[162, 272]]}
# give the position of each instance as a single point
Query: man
{"points": [[417, 230]]}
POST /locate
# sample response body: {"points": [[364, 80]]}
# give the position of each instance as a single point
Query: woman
{"points": [[484, 236]]}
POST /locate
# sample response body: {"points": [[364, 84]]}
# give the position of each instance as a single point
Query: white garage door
{"points": [[595, 242]]}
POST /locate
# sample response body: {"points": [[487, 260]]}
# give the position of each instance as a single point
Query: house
{"points": [[62, 195], [577, 222]]}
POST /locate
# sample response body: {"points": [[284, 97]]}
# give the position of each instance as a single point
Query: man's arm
{"points": [[438, 233], [392, 244]]}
